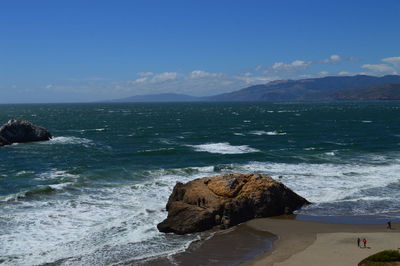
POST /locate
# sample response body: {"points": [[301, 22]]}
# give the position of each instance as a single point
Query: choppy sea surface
{"points": [[94, 193]]}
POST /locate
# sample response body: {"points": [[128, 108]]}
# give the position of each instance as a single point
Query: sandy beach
{"points": [[316, 243]]}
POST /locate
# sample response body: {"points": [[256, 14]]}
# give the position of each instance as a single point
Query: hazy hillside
{"points": [[382, 92], [304, 89]]}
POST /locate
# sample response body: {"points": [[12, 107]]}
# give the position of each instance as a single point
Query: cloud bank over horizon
{"points": [[202, 83]]}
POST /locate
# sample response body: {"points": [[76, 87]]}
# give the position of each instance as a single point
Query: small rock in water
{"points": [[226, 200], [18, 131]]}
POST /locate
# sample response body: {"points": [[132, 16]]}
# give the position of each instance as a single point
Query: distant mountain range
{"points": [[315, 89], [359, 87]]}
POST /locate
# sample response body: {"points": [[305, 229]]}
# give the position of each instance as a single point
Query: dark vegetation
{"points": [[383, 258]]}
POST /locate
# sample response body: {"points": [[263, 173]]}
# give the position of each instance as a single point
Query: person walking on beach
{"points": [[389, 224], [365, 242], [358, 241]]}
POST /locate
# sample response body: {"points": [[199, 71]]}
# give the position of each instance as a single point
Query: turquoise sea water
{"points": [[95, 192]]}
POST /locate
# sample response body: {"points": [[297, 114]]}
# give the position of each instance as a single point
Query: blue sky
{"points": [[68, 51]]}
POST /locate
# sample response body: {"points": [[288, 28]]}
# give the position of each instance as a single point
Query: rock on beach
{"points": [[226, 200]]}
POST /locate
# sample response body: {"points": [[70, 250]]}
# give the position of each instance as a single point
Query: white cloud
{"points": [[297, 64], [166, 76], [391, 67], [392, 60], [380, 68], [333, 59], [343, 73], [337, 58], [252, 80], [285, 69], [145, 74], [247, 74], [150, 77], [278, 65], [141, 80], [202, 74]]}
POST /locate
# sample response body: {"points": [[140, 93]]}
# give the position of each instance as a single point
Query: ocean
{"points": [[94, 194]]}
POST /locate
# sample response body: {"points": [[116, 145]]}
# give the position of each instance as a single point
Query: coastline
{"points": [[285, 241], [320, 243]]}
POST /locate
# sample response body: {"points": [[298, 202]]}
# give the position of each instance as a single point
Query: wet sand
{"points": [[319, 243], [226, 247]]}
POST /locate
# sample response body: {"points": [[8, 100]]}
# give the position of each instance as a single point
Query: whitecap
{"points": [[366, 198], [61, 186], [67, 140], [24, 173], [269, 133], [223, 148], [55, 174]]}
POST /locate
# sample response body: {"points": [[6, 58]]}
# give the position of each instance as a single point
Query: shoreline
{"points": [[320, 243], [287, 240], [232, 246]]}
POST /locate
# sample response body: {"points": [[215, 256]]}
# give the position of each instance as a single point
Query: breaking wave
{"points": [[223, 148]]}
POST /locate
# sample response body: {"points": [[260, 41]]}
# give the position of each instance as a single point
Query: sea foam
{"points": [[223, 148], [269, 133], [67, 140], [98, 226], [110, 224], [331, 183], [56, 174]]}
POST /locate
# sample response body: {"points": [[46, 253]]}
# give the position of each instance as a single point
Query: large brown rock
{"points": [[16, 131], [226, 200]]}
